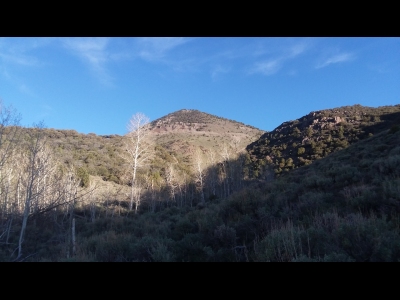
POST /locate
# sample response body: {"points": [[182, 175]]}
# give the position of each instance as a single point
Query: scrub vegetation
{"points": [[325, 187]]}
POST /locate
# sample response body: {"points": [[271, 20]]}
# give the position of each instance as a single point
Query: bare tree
{"points": [[170, 178], [224, 175], [9, 131], [199, 173], [139, 150], [9, 137], [235, 144], [153, 183], [37, 160], [43, 187], [212, 172], [71, 185]]}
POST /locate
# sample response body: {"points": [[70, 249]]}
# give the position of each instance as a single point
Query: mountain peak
{"points": [[185, 130], [186, 116], [190, 117]]}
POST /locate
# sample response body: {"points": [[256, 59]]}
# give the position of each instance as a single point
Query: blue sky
{"points": [[96, 84]]}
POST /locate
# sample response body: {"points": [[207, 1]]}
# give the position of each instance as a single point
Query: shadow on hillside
{"points": [[219, 182], [387, 122]]}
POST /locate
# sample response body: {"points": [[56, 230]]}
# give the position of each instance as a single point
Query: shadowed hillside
{"points": [[336, 209], [300, 142], [342, 207]]}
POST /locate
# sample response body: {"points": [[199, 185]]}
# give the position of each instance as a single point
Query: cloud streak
{"points": [[19, 59], [273, 65], [92, 51], [217, 71], [298, 49], [268, 67], [26, 90], [15, 50], [153, 49], [338, 58]]}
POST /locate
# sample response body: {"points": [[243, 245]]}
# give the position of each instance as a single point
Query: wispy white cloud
{"points": [[298, 49], [9, 58], [334, 59], [21, 53], [280, 56], [218, 70], [16, 51], [92, 51], [26, 90], [268, 67], [97, 52], [19, 59], [264, 56], [153, 49], [5, 73]]}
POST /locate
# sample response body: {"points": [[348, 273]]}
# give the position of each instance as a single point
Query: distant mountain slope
{"points": [[185, 130], [316, 135], [176, 135], [98, 155]]}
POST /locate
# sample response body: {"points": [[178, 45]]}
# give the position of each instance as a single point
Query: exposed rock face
{"points": [[319, 133]]}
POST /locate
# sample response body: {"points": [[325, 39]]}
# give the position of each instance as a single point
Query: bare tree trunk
{"points": [[24, 220], [92, 204], [132, 194], [139, 151], [9, 228], [73, 240], [138, 191], [199, 174], [37, 164], [153, 198], [18, 193]]}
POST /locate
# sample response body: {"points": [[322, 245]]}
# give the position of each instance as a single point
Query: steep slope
{"points": [[98, 155], [344, 207], [316, 135]]}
